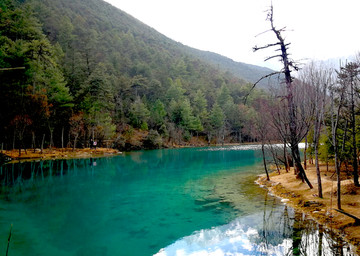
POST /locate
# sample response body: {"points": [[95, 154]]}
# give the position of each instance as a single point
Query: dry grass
{"points": [[301, 197], [59, 153]]}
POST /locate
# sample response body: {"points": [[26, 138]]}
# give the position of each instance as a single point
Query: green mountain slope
{"points": [[101, 73], [105, 19], [248, 72]]}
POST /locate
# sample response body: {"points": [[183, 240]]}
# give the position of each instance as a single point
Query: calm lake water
{"points": [[200, 201]]}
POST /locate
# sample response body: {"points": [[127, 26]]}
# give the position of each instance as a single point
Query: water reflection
{"points": [[282, 231], [15, 177]]}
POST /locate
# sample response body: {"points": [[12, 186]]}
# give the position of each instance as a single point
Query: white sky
{"points": [[317, 29]]}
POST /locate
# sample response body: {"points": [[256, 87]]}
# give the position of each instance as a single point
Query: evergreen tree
{"points": [[157, 115], [139, 114]]}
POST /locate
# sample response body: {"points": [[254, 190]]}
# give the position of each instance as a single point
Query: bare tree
{"points": [[279, 122], [348, 78], [335, 117], [319, 78], [262, 128], [76, 126], [288, 66]]}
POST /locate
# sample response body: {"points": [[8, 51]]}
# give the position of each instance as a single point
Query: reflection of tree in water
{"points": [[16, 177], [310, 238], [275, 228], [297, 234]]}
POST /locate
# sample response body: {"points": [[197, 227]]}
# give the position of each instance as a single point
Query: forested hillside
{"points": [[241, 70], [72, 70]]}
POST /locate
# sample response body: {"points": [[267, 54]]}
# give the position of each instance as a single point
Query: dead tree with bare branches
{"points": [[295, 136]]}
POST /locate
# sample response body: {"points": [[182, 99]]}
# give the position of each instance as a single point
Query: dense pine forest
{"points": [[77, 70]]}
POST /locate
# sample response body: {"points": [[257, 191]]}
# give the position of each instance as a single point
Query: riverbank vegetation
{"points": [[321, 107]]}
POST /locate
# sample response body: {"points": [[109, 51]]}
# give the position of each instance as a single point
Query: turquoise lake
{"points": [[191, 201]]}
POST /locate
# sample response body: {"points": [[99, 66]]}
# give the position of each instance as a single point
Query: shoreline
{"points": [[69, 153], [58, 153], [299, 196]]}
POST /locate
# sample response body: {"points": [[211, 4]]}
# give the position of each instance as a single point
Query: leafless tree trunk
{"points": [[274, 155], [305, 149], [319, 78], [294, 135], [348, 77], [335, 116], [262, 129], [264, 159]]}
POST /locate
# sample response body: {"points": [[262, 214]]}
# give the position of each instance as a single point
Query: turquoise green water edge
{"points": [[192, 201]]}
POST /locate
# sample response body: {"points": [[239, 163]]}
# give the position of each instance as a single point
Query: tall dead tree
{"points": [[288, 66]]}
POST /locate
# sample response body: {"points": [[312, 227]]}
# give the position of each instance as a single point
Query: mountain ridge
{"points": [[242, 70]]}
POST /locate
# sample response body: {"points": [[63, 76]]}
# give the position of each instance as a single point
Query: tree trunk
{"points": [[14, 138], [286, 158], [353, 130], [51, 136], [42, 143], [338, 193], [264, 160], [294, 135], [275, 157], [292, 120], [76, 136], [318, 170], [305, 149], [33, 141], [297, 161], [62, 137], [334, 126]]}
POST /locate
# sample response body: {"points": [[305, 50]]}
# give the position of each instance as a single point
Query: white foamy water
{"points": [[246, 147]]}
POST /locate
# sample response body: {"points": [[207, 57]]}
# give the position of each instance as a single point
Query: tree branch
{"points": [[256, 48], [271, 57], [266, 76]]}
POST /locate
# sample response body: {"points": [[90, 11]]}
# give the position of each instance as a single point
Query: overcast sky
{"points": [[317, 29]]}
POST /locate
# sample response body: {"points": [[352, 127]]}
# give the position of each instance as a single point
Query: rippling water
{"points": [[164, 202]]}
